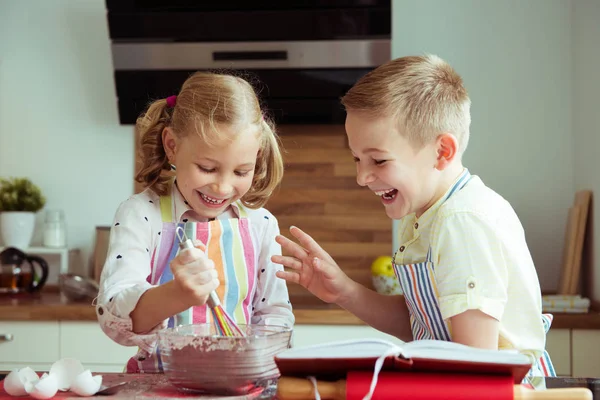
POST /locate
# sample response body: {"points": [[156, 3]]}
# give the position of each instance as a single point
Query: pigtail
{"points": [[153, 158], [268, 172]]}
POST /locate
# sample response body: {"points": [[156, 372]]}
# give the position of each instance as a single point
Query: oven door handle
{"points": [[256, 55]]}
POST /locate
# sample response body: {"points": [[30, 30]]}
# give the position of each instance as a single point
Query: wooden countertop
{"points": [[52, 306]]}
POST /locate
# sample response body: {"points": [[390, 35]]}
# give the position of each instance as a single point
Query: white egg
{"points": [[14, 383], [45, 388], [65, 371], [85, 384]]}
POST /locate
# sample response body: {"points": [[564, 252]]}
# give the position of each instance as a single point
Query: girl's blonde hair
{"points": [[423, 93], [206, 101]]}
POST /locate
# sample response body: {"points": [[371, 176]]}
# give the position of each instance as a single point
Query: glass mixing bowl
{"points": [[195, 358]]}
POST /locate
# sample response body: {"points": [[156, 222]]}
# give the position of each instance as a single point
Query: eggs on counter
{"points": [[65, 374]]}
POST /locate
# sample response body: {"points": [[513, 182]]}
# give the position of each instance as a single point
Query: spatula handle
{"points": [[185, 243], [302, 389], [523, 393]]}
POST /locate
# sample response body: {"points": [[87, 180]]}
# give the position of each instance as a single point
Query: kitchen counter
{"points": [[52, 306], [158, 386]]}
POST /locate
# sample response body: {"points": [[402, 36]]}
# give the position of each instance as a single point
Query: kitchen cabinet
{"points": [[558, 345], [33, 344], [86, 342], [586, 353], [39, 344]]}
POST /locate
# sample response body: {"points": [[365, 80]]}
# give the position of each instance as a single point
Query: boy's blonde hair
{"points": [[206, 102], [423, 93]]}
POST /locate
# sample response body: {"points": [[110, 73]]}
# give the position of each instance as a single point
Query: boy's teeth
{"points": [[210, 199], [382, 192]]}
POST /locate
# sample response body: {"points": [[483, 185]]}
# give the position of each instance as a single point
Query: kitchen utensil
{"points": [[420, 386], [78, 288], [112, 389], [20, 272], [225, 324], [197, 358]]}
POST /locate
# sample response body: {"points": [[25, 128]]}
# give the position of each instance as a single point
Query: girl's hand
{"points": [[194, 274], [312, 267]]}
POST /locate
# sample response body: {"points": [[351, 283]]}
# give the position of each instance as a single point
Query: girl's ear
{"points": [[447, 150], [169, 143]]}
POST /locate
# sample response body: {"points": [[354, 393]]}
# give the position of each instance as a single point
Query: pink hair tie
{"points": [[171, 101]]}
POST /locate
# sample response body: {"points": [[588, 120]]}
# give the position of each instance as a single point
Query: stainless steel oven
{"points": [[301, 55]]}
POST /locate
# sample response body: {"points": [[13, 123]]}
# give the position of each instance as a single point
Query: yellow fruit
{"points": [[382, 266]]}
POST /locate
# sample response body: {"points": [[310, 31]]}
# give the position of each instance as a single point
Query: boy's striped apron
{"points": [[421, 296], [230, 246]]}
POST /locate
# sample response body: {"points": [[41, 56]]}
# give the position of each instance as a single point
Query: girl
{"points": [[226, 163]]}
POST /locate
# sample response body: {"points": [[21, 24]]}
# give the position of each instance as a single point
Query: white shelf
{"points": [[43, 250], [63, 252]]}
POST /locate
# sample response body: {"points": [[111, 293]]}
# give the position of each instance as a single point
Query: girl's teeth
{"points": [[382, 192], [210, 199]]}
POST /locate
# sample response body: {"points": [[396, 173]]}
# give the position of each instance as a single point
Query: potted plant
{"points": [[20, 199]]}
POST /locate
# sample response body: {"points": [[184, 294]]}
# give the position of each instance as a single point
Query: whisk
{"points": [[225, 325]]}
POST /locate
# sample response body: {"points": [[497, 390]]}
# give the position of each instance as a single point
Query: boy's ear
{"points": [[169, 143], [447, 150]]}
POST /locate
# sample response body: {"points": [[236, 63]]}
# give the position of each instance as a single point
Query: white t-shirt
{"points": [[123, 282], [481, 261]]}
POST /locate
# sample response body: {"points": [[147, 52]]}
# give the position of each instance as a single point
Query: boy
{"points": [[463, 261]]}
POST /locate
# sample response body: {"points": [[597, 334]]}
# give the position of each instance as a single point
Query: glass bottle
{"points": [[55, 230]]}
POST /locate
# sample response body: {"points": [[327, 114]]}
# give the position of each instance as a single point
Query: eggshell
{"points": [[45, 388], [14, 383], [65, 371], [85, 384]]}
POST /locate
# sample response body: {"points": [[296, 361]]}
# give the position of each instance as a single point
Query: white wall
{"points": [[59, 125], [515, 59], [58, 117], [586, 108]]}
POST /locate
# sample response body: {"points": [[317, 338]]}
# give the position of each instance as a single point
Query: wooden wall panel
{"points": [[319, 194]]}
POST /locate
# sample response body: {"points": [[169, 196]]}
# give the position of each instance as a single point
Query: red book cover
{"points": [[333, 360]]}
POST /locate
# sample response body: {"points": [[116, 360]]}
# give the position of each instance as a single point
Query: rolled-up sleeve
{"points": [[125, 272], [271, 303], [471, 270]]}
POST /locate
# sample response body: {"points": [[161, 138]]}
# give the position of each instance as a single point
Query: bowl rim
{"points": [[283, 329]]}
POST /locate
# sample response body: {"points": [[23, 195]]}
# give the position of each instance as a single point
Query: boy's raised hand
{"points": [[312, 267]]}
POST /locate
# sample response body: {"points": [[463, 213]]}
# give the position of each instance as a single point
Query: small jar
{"points": [[55, 230]]}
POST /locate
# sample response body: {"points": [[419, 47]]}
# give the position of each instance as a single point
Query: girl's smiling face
{"points": [[210, 178]]}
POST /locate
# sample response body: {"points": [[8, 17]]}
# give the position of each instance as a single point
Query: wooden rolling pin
{"points": [[302, 389]]}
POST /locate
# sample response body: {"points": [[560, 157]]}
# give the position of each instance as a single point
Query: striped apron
{"points": [[230, 246], [421, 296]]}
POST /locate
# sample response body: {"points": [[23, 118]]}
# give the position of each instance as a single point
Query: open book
{"points": [[334, 359]]}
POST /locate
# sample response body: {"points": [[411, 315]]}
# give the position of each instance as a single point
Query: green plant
{"points": [[20, 194]]}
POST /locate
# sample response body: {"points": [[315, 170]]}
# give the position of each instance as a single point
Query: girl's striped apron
{"points": [[230, 246], [421, 296]]}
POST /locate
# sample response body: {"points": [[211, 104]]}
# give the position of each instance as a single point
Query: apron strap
{"points": [[463, 179], [166, 208], [241, 209]]}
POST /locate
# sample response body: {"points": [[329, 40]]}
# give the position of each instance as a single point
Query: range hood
{"points": [[301, 56]]}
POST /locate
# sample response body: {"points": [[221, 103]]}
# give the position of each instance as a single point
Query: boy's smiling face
{"points": [[405, 177]]}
